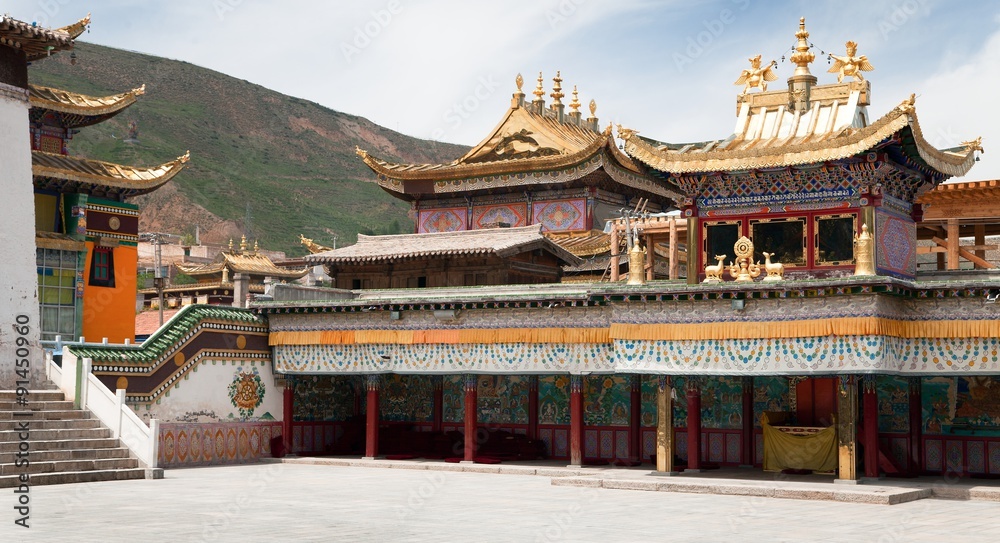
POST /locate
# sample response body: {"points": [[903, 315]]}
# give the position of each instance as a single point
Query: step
{"points": [[47, 435], [56, 414], [49, 424], [67, 454], [69, 465], [33, 395], [36, 405], [61, 444], [63, 477]]}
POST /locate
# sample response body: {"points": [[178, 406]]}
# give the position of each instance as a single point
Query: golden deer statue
{"points": [[775, 270], [713, 274]]}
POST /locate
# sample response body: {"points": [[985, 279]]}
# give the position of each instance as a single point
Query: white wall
{"points": [[203, 395], [18, 276]]}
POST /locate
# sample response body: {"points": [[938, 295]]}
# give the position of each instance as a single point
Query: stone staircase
{"points": [[65, 445]]}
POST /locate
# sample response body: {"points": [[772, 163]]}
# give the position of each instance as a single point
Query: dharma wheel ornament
{"points": [[864, 253], [744, 269], [637, 265]]}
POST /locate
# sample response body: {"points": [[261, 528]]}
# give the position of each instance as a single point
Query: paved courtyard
{"points": [[294, 502]]}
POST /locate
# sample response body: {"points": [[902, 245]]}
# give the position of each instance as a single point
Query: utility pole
{"points": [[159, 281]]}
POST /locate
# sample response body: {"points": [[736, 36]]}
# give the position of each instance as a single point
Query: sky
{"points": [[445, 69]]}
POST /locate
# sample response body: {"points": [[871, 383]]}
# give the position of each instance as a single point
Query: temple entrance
{"points": [[816, 401]]}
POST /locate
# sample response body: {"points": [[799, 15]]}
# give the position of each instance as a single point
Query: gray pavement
{"points": [[300, 502]]}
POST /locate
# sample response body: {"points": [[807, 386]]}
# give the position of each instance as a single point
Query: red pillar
{"points": [[747, 435], [576, 420], [916, 460], [693, 424], [288, 414], [635, 420], [438, 415], [471, 416], [533, 407], [372, 417], [870, 407]]}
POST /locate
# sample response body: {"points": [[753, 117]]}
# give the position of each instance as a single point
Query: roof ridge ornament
{"points": [[757, 77], [974, 145], [518, 98], [850, 65], [575, 104], [140, 90], [626, 133], [539, 91], [802, 56]]}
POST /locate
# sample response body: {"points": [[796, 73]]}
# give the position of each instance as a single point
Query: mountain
{"points": [[286, 163]]}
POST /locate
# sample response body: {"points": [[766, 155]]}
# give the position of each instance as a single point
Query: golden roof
{"points": [[584, 243], [37, 42], [85, 171], [81, 104], [312, 246], [74, 30], [249, 262], [772, 137]]}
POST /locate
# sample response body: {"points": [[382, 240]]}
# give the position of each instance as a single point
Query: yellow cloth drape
{"points": [[411, 337], [817, 452], [845, 326]]}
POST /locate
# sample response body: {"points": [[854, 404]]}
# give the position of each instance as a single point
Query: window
{"points": [[834, 239], [57, 296], [784, 238], [102, 268], [720, 237]]}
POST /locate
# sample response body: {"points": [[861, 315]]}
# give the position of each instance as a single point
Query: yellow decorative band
{"points": [[846, 326], [409, 337]]}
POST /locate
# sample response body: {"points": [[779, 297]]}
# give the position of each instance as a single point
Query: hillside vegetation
{"points": [[289, 161]]}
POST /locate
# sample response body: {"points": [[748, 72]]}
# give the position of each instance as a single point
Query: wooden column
{"points": [[372, 417], [533, 407], [869, 401], [635, 420], [746, 434], [980, 232], [650, 258], [693, 249], [614, 254], [847, 437], [674, 253], [693, 424], [438, 414], [471, 416], [576, 420], [664, 426], [953, 243], [915, 462], [288, 413]]}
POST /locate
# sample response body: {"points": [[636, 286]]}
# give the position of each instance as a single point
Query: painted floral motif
{"points": [[512, 215], [246, 391], [442, 220], [560, 215]]}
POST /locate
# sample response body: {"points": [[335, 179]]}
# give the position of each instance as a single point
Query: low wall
{"points": [[193, 444]]}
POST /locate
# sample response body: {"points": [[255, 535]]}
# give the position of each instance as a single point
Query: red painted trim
{"points": [[635, 421], [746, 432], [371, 423], [438, 408], [915, 462], [533, 408], [471, 424]]}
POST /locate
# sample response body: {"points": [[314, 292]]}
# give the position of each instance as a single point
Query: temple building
{"points": [[796, 335], [85, 229], [541, 165], [230, 279]]}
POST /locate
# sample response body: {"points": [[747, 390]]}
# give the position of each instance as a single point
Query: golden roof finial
{"points": [[802, 55], [230, 245], [756, 76], [185, 157], [593, 108], [575, 104], [519, 81], [360, 152], [539, 91], [140, 91], [243, 244], [256, 245], [557, 93]]}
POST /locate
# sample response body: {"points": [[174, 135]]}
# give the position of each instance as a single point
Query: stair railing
{"points": [[77, 381]]}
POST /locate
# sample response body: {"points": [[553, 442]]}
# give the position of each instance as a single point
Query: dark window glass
{"points": [[784, 238]]}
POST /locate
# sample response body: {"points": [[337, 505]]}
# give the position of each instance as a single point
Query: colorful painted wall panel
{"points": [[490, 215], [503, 399], [560, 214], [770, 394], [215, 443], [553, 399], [722, 403], [325, 397], [961, 405], [453, 398], [895, 244], [407, 398], [606, 400], [893, 403], [442, 220]]}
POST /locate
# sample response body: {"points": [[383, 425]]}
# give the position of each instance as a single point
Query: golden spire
{"points": [[256, 246], [557, 93], [802, 55], [230, 245], [243, 244], [575, 104], [539, 91], [593, 108]]}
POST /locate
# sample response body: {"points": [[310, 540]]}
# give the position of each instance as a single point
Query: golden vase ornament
{"points": [[864, 253], [637, 266]]}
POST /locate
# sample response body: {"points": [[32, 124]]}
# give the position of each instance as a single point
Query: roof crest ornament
{"points": [[756, 76], [802, 55], [593, 108], [557, 93], [539, 91], [243, 244], [626, 133], [575, 104], [974, 145], [850, 65]]}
